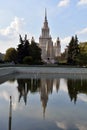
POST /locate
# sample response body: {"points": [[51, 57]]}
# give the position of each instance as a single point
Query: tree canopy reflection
{"points": [[75, 87], [26, 85]]}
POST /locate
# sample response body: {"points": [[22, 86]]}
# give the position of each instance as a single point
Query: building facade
{"points": [[49, 50]]}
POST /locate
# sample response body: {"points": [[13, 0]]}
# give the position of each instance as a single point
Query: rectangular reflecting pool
{"points": [[32, 102]]}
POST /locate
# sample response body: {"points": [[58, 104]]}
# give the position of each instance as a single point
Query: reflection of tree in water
{"points": [[76, 86], [26, 85]]}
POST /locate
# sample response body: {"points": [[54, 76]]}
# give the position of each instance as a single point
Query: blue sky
{"points": [[65, 18]]}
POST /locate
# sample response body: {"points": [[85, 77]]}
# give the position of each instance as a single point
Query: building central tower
{"points": [[49, 52], [45, 42]]}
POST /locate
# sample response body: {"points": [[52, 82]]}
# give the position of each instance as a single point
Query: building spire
{"points": [[45, 14], [45, 20]]}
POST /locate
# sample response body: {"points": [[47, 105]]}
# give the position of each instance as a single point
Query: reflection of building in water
{"points": [[46, 89], [44, 86], [49, 84], [44, 96], [56, 84]]}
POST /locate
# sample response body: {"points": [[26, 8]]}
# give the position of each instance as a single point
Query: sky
{"points": [[66, 18]]}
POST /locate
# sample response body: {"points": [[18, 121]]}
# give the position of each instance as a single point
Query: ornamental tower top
{"points": [[45, 21]]}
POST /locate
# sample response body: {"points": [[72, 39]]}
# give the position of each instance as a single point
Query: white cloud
{"points": [[10, 90], [14, 28], [9, 35], [82, 2], [63, 3], [64, 42], [82, 97], [5, 95], [82, 31], [63, 85], [64, 125], [61, 125], [81, 126]]}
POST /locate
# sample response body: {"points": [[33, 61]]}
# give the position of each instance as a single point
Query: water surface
{"points": [[43, 103]]}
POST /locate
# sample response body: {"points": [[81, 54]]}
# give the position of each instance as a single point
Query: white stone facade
{"points": [[49, 51]]}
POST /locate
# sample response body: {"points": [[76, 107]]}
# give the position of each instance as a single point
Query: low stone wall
{"points": [[7, 70], [51, 70], [42, 70]]}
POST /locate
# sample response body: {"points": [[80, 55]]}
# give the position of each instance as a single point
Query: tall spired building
{"points": [[49, 51]]}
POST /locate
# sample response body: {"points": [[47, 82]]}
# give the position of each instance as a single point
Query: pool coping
{"points": [[42, 70]]}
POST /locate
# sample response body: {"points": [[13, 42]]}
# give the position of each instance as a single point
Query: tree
{"points": [[11, 55], [82, 57], [70, 51], [27, 60], [83, 47], [73, 50], [36, 52], [20, 50], [23, 49]]}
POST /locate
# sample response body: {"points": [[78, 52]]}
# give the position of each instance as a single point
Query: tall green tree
{"points": [[23, 48], [20, 49], [36, 52], [73, 50]]}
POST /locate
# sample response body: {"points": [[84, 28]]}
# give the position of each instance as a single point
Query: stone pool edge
{"points": [[42, 70]]}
